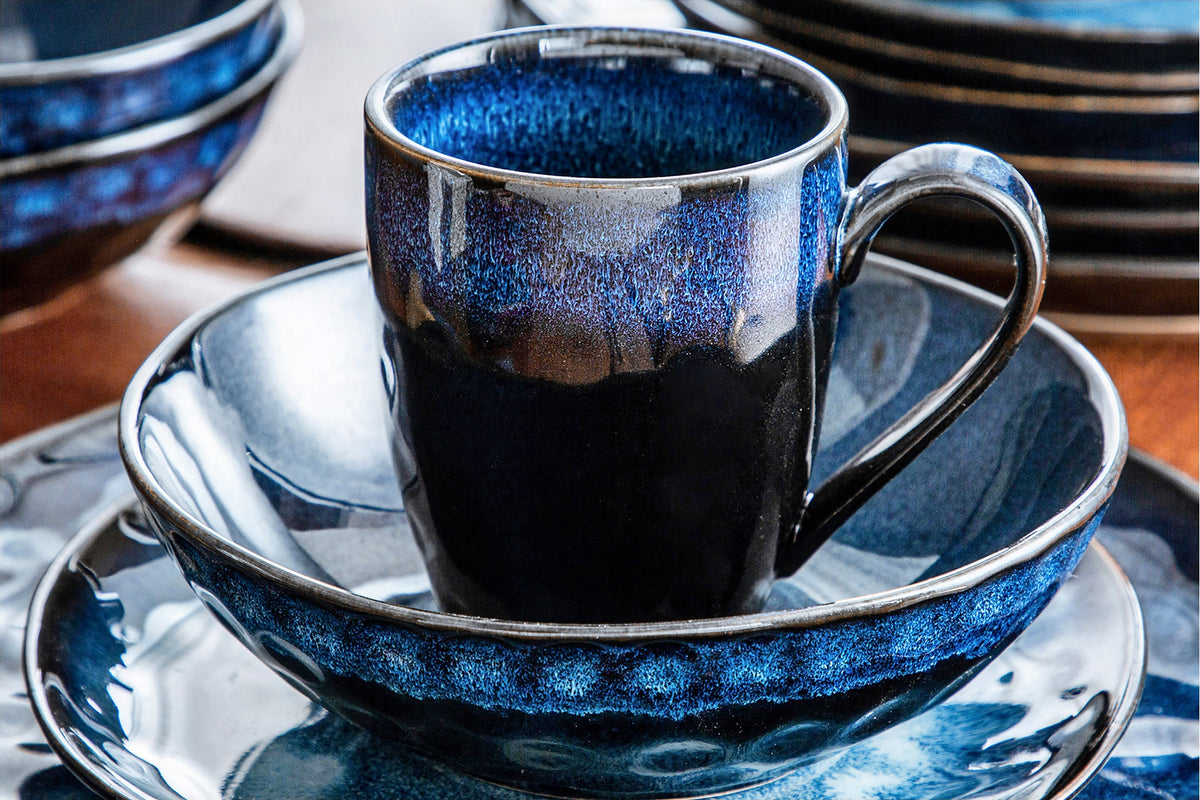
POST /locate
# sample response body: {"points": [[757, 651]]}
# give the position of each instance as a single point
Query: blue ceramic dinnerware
{"points": [[609, 262], [1114, 36], [145, 696], [201, 713], [257, 439], [72, 211], [947, 63], [907, 108], [75, 70]]}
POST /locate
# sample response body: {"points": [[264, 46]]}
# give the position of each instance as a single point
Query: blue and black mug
{"points": [[609, 262]]}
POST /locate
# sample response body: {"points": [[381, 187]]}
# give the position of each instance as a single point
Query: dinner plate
{"points": [[1099, 284], [1133, 36], [950, 61], [1155, 128], [58, 480], [144, 695]]}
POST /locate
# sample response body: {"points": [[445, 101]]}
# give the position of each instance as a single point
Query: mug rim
{"points": [[382, 129]]}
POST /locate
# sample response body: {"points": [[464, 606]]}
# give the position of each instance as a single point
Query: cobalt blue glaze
{"points": [[1154, 527], [49, 104], [741, 708], [608, 261], [1182, 16], [72, 211], [48, 204], [1119, 47], [580, 335], [1145, 129], [950, 565]]}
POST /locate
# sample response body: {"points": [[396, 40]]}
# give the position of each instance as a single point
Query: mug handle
{"points": [[953, 170]]}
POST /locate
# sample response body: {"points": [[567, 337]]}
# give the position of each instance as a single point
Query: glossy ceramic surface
{"points": [[126, 669], [574, 287], [286, 375], [55, 482], [1154, 128], [952, 61], [1117, 16], [133, 63], [72, 211], [1048, 39]]}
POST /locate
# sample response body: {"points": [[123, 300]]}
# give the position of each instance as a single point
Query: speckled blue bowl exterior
{"points": [[41, 111], [123, 190], [993, 523], [75, 210], [672, 716]]}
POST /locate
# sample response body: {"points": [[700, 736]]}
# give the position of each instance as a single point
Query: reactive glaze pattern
{"points": [[1095, 15], [72, 211], [47, 204], [142, 647], [1153, 528], [589, 245], [62, 479], [608, 260], [274, 401], [56, 96]]}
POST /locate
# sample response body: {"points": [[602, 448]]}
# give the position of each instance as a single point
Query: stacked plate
{"points": [[118, 116], [1094, 101]]}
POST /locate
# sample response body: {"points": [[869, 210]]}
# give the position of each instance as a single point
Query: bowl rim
{"points": [[382, 130], [1033, 544], [137, 56], [157, 134]]}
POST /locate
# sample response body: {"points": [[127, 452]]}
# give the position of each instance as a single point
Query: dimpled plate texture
{"points": [[148, 673], [56, 107], [57, 481], [268, 424]]}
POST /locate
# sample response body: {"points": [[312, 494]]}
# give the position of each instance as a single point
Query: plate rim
{"points": [[107, 783]]}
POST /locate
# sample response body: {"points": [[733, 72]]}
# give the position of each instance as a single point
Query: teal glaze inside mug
{"points": [[608, 261]]}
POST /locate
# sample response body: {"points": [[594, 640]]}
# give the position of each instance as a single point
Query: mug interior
{"points": [[619, 106]]}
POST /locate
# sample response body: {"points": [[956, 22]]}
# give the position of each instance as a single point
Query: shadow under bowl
{"points": [[76, 70], [256, 438], [72, 211]]}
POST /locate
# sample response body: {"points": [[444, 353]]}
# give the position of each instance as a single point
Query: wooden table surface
{"points": [[79, 352]]}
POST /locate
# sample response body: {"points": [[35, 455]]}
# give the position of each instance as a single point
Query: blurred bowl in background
{"points": [[76, 70], [72, 211]]}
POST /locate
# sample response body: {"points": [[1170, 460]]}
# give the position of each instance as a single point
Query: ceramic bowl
{"points": [[256, 437], [948, 63], [74, 210], [132, 63]]}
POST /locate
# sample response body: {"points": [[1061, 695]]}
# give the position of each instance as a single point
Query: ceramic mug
{"points": [[608, 261]]}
